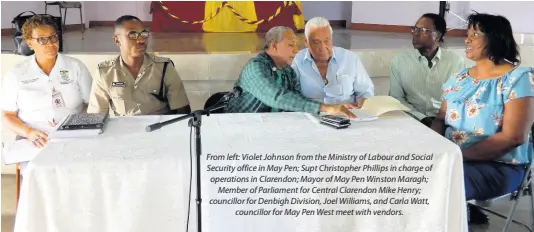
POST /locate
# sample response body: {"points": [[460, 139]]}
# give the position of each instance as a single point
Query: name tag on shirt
{"points": [[57, 100], [30, 81], [118, 84]]}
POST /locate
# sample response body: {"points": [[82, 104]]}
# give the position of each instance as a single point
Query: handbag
{"points": [[21, 47]]}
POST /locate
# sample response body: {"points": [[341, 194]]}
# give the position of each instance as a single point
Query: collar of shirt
{"points": [[307, 55], [435, 59], [147, 62], [36, 70], [268, 60]]}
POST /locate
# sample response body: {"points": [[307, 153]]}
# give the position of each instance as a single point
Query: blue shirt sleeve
{"points": [[518, 85]]}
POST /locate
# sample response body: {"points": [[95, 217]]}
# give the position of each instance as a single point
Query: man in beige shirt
{"points": [[136, 83]]}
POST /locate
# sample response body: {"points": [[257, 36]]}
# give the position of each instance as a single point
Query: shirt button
{"points": [[135, 86]]}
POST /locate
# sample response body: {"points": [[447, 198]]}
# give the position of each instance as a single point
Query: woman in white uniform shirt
{"points": [[46, 87]]}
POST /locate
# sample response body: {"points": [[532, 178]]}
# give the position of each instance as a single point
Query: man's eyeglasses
{"points": [[421, 30], [134, 35], [44, 40]]}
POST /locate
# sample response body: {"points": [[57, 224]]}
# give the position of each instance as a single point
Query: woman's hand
{"points": [[438, 124], [38, 138]]}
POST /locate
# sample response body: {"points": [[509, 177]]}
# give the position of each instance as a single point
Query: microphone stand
{"points": [[195, 121]]}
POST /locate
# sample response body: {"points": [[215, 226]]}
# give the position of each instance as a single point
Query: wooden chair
{"points": [[17, 180]]}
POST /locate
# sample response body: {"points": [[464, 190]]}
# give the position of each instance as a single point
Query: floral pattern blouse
{"points": [[475, 108]]}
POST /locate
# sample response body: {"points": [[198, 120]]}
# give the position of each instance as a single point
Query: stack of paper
{"points": [[362, 115], [20, 151]]}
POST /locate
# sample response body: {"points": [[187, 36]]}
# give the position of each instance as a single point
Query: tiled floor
{"points": [[522, 214], [100, 40]]}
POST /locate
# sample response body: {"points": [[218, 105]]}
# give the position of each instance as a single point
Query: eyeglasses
{"points": [[134, 35], [421, 30], [44, 40]]}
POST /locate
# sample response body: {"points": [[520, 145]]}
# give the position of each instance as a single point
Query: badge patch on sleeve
{"points": [[118, 84]]}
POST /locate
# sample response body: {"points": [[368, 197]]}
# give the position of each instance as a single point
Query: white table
{"points": [[131, 180]]}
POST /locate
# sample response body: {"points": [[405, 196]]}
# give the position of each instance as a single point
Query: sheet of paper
{"points": [[376, 106], [20, 151], [379, 105], [363, 115]]}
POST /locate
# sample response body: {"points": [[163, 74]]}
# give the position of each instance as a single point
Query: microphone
{"points": [[159, 125], [223, 102], [236, 92]]}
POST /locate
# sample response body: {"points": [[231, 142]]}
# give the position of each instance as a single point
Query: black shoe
{"points": [[476, 216]]}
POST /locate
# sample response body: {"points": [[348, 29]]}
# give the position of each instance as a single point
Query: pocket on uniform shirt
{"points": [[117, 95]]}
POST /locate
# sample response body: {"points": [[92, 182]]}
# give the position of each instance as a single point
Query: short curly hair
{"points": [[35, 22]]}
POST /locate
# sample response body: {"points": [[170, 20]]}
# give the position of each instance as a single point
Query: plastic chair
{"points": [[525, 189]]}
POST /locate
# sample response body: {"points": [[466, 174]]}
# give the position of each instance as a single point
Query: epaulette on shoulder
{"points": [[107, 63], [159, 59]]}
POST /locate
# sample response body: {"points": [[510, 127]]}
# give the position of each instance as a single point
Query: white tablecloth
{"points": [[131, 180]]}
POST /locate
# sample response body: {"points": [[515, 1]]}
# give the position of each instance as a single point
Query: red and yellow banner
{"points": [[225, 16]]}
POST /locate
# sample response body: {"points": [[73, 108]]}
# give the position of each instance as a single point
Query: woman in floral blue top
{"points": [[488, 110]]}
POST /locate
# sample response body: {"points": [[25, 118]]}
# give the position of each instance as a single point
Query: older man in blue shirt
{"points": [[328, 74]]}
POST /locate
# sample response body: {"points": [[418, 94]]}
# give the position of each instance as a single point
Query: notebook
{"points": [[81, 125], [84, 121]]}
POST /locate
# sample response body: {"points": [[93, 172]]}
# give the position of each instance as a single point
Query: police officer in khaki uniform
{"points": [[131, 84]]}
